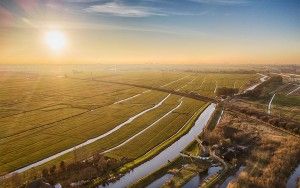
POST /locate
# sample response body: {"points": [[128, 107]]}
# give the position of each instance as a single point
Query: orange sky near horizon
{"points": [[28, 47], [134, 34]]}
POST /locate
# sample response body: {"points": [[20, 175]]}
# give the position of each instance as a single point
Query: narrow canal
{"points": [[166, 155]]}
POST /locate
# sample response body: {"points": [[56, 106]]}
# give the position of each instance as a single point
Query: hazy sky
{"points": [[151, 31]]}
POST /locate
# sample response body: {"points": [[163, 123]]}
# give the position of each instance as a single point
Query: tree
{"points": [[53, 170], [229, 132], [226, 91], [170, 183], [45, 173], [16, 180], [62, 166]]}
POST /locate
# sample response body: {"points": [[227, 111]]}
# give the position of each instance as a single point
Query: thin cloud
{"points": [[123, 10], [222, 2], [186, 13], [83, 1], [118, 9]]}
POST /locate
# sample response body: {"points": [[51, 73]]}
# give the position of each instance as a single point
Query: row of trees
{"points": [[96, 166], [226, 91], [238, 71]]}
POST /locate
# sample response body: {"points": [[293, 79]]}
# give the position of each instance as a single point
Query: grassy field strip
{"points": [[174, 81], [43, 88], [119, 136], [101, 145], [156, 134], [56, 100], [157, 78], [157, 155], [187, 84], [21, 111], [87, 119], [137, 125], [179, 83], [207, 89], [223, 80], [139, 120], [198, 88], [131, 138], [208, 84], [99, 92], [25, 121], [63, 87], [181, 131], [262, 79], [60, 129], [294, 90], [146, 91], [88, 141], [25, 124], [117, 91], [166, 80], [62, 97], [36, 137], [123, 100], [105, 99]]}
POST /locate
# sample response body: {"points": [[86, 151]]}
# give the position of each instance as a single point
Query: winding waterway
{"points": [[196, 181], [292, 181], [232, 177], [160, 181], [139, 133], [262, 79], [129, 98], [169, 154], [270, 103]]}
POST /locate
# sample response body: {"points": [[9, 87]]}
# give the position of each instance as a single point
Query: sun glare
{"points": [[55, 40]]}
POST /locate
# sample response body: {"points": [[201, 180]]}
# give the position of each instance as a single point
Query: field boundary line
{"points": [[142, 131], [87, 142], [188, 95], [157, 149]]}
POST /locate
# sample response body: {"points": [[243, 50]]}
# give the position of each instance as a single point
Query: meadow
{"points": [[42, 115]]}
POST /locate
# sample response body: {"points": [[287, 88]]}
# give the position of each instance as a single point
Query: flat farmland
{"points": [[44, 115], [140, 136], [31, 141], [155, 79], [36, 92], [201, 83]]}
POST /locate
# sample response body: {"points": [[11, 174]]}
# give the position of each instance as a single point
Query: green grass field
{"points": [[41, 115]]}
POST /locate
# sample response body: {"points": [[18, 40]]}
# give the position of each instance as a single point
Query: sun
{"points": [[55, 40]]}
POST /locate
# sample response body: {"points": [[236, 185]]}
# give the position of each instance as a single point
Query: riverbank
{"points": [[188, 167], [85, 143], [180, 163], [269, 155], [163, 153], [165, 144]]}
